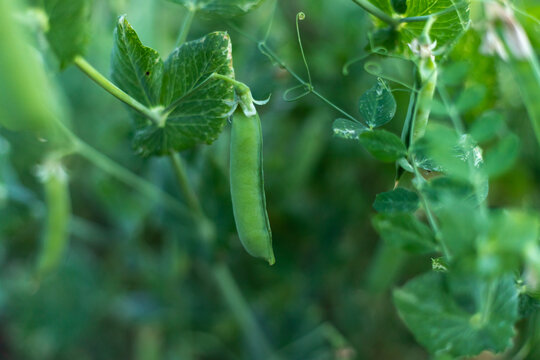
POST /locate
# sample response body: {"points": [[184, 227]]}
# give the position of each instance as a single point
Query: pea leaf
{"points": [[383, 145], [398, 200], [136, 69], [510, 237], [450, 24], [502, 156], [487, 126], [377, 105], [194, 106], [68, 28], [399, 6], [459, 316], [223, 8], [347, 129], [405, 231], [471, 97]]}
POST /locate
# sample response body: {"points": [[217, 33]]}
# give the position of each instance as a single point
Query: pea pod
{"points": [[427, 71], [26, 99], [247, 187], [58, 214]]}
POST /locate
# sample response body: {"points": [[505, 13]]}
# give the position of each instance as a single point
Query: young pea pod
{"points": [[56, 234], [27, 101], [247, 187], [427, 71]]}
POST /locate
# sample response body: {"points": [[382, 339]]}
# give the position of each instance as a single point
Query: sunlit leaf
{"points": [[348, 129], [448, 26]]}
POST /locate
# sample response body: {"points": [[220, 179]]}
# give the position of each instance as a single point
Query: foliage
{"points": [[136, 254]]}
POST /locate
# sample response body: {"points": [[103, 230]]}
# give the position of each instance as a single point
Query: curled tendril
{"points": [[307, 90]]}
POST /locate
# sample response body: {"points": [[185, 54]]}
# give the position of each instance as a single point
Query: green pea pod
{"points": [[247, 187], [427, 72], [26, 99], [58, 215]]}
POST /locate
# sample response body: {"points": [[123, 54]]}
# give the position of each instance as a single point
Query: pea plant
{"points": [[481, 291]]}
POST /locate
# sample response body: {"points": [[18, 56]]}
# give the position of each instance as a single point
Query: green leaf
{"points": [[347, 129], [459, 316], [398, 200], [441, 190], [194, 105], [471, 97], [454, 74], [383, 145], [458, 156], [502, 156], [511, 235], [69, 28], [447, 27], [377, 105], [399, 6], [223, 8], [487, 126], [136, 69], [460, 225], [405, 231]]}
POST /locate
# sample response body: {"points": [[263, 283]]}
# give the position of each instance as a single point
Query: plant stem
{"points": [[430, 216], [265, 50], [240, 308], [112, 89], [430, 16], [122, 174], [184, 31], [378, 13], [188, 192]]}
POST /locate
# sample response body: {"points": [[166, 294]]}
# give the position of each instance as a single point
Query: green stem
{"points": [[112, 89], [378, 13], [184, 31], [181, 176], [122, 174], [430, 16], [240, 308], [265, 50], [146, 188], [429, 213]]}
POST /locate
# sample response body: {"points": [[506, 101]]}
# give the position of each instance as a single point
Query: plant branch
{"points": [[102, 162], [241, 310], [184, 31], [112, 89], [378, 13], [268, 52], [429, 213], [183, 182]]}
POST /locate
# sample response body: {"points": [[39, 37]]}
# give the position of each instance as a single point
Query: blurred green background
{"points": [[137, 283]]}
